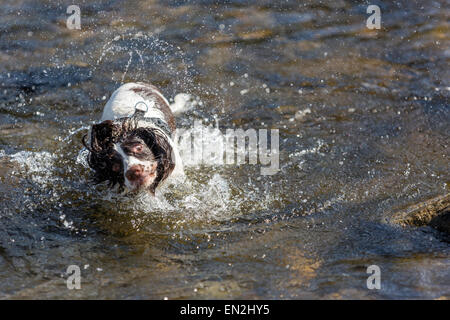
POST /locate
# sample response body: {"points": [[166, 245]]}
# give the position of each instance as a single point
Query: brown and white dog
{"points": [[133, 144]]}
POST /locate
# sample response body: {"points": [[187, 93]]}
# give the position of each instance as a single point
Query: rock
{"points": [[434, 212], [257, 35], [286, 109]]}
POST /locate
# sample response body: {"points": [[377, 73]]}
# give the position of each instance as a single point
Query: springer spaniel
{"points": [[132, 146]]}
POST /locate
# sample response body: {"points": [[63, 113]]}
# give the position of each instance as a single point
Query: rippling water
{"points": [[364, 122]]}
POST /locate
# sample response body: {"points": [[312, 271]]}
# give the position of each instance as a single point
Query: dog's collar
{"points": [[140, 111], [158, 123]]}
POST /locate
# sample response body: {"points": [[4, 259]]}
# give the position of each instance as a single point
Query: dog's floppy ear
{"points": [[164, 154], [102, 136], [101, 157], [160, 146]]}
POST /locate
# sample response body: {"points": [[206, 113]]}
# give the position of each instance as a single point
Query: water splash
{"points": [[37, 166], [135, 56]]}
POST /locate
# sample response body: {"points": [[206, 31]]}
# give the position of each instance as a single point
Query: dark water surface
{"points": [[364, 130]]}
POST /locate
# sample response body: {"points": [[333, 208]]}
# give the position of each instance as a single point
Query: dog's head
{"points": [[123, 153]]}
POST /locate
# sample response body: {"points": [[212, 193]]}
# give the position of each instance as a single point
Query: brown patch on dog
{"points": [[148, 91]]}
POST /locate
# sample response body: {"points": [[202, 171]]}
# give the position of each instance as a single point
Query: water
{"points": [[364, 130]]}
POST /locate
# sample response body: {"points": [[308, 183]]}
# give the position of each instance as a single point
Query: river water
{"points": [[363, 118]]}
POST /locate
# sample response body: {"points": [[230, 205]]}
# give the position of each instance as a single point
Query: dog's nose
{"points": [[135, 172]]}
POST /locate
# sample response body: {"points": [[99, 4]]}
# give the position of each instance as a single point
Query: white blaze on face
{"points": [[129, 161]]}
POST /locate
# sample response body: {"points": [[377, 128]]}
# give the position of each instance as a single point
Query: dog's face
{"points": [[121, 152], [137, 162]]}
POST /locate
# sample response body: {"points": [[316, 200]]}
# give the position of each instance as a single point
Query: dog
{"points": [[133, 145]]}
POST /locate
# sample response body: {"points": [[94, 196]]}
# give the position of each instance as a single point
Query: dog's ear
{"points": [[102, 158], [103, 135], [162, 150], [163, 153]]}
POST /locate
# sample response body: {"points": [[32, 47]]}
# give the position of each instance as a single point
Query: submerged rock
{"points": [[434, 212]]}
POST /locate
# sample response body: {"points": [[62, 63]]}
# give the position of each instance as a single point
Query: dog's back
{"points": [[123, 103]]}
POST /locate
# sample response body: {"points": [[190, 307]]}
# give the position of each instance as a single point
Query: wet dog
{"points": [[132, 146]]}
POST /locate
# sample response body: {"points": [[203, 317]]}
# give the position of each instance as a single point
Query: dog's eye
{"points": [[138, 148]]}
